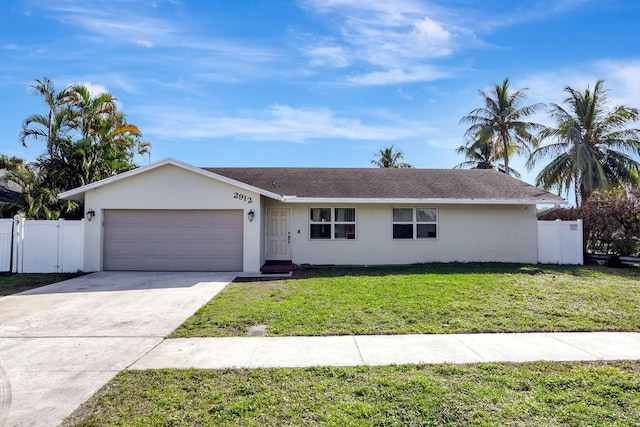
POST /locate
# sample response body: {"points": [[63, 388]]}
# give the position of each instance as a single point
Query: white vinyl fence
{"points": [[47, 246], [560, 242]]}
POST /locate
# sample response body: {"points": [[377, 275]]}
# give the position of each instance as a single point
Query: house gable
{"points": [[79, 193], [170, 187]]}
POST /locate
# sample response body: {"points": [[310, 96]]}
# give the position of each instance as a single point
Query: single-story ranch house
{"points": [[173, 216]]}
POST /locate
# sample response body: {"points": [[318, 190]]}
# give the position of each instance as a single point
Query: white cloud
{"points": [[484, 19], [404, 95], [432, 34], [334, 56], [107, 23], [112, 24], [276, 123], [144, 43], [620, 78], [393, 40], [396, 75], [94, 89]]}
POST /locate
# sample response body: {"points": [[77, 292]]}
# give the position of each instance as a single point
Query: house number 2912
{"points": [[242, 197]]}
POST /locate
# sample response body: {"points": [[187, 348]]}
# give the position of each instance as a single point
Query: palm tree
{"points": [[89, 139], [7, 162], [593, 145], [481, 155], [48, 127], [387, 158], [34, 200], [500, 120]]}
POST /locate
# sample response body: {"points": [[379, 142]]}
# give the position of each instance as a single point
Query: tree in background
{"points": [[501, 122], [86, 139], [592, 145], [480, 154], [388, 158]]}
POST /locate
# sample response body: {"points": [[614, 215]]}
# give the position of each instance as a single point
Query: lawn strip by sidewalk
{"points": [[562, 394]]}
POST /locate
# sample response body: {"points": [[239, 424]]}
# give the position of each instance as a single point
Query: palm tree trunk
{"points": [[505, 145]]}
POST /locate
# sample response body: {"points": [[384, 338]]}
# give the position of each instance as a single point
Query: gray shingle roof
{"points": [[6, 195], [377, 183]]}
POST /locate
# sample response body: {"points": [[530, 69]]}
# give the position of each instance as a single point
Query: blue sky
{"points": [[310, 82]]}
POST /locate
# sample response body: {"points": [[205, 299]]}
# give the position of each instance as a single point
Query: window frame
{"points": [[415, 223], [332, 223]]}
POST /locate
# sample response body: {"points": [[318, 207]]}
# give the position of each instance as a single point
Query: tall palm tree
{"points": [[501, 121], [480, 154], [51, 126], [388, 158], [106, 142], [593, 145]]}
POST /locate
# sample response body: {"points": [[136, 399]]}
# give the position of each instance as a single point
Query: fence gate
{"points": [[6, 231], [48, 246], [560, 242]]}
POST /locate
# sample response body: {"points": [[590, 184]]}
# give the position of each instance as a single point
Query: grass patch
{"points": [[540, 394], [447, 298], [11, 283]]}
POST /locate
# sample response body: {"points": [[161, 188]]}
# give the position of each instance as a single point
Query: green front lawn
{"points": [[11, 283], [447, 298], [491, 394]]}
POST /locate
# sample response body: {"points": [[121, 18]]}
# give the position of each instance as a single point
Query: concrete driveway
{"points": [[60, 343]]}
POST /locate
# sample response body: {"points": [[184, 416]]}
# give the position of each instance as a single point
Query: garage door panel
{"points": [[173, 240]]}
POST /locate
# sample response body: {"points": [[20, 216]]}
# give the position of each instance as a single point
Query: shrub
{"points": [[612, 222]]}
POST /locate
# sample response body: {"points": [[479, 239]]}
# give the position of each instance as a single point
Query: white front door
{"points": [[279, 234]]}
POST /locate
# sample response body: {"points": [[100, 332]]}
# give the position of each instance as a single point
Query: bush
{"points": [[612, 222]]}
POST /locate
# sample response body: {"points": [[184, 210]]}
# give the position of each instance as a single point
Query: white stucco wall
{"points": [[171, 187], [466, 233]]}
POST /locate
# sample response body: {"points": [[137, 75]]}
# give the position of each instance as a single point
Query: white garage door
{"points": [[170, 240]]}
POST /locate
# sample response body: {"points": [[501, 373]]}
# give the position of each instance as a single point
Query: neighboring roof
{"points": [[376, 184], [7, 189], [7, 195], [299, 185]]}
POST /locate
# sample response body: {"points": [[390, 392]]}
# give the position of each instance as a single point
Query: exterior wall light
{"points": [[250, 215], [90, 214]]}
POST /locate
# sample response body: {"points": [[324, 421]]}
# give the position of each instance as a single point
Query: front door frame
{"points": [[278, 257]]}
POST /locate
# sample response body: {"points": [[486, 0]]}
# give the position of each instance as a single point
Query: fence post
{"points": [[60, 258], [16, 253], [581, 233], [559, 247]]}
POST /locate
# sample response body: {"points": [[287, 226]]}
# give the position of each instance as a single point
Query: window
{"points": [[330, 224], [415, 223]]}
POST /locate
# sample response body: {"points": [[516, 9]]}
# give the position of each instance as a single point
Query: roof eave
{"points": [[474, 201]]}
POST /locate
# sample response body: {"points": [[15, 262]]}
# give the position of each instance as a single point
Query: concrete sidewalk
{"points": [[259, 352]]}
